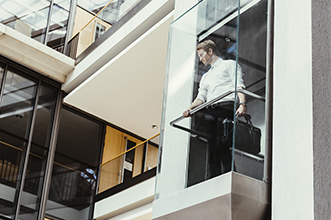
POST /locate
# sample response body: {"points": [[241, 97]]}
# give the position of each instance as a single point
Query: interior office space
{"points": [[92, 93]]}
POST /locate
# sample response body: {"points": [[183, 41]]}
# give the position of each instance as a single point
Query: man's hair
{"points": [[206, 45]]}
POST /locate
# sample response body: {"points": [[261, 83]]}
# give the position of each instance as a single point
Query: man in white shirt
{"points": [[219, 79]]}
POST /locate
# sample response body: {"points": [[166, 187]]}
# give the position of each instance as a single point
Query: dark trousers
{"points": [[219, 156]]}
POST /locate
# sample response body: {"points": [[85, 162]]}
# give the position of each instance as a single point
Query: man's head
{"points": [[206, 51]]}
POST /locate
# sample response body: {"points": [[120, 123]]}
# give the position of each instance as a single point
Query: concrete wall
{"points": [[321, 68], [292, 186]]}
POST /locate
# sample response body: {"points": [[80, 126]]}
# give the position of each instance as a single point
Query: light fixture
{"points": [[154, 126]]}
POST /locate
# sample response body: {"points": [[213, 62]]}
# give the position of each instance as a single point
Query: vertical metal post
{"points": [[18, 196], [3, 83], [269, 97], [70, 24], [102, 146], [51, 154], [48, 21], [143, 167]]}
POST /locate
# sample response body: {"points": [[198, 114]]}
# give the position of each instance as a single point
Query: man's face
{"points": [[204, 56]]}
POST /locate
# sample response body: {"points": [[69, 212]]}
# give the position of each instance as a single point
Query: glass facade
{"points": [[42, 142], [39, 152], [26, 118], [75, 168]]}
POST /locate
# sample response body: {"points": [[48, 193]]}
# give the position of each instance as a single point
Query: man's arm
{"points": [[242, 103], [194, 104]]}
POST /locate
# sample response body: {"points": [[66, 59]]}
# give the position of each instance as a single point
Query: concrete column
{"points": [[292, 181]]}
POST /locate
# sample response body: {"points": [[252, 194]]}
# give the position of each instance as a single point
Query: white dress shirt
{"points": [[220, 79]]}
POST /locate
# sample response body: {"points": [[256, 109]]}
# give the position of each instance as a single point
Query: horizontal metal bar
{"points": [[138, 145], [261, 98]]}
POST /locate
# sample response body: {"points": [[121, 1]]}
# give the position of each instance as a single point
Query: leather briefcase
{"points": [[248, 137]]}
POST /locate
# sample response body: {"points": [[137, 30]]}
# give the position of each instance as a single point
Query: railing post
{"points": [[70, 25]]}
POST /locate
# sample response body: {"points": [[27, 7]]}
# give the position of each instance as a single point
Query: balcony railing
{"points": [[99, 24], [136, 160]]}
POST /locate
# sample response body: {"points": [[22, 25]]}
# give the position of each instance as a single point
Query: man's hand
{"points": [[196, 103], [186, 113], [241, 111]]}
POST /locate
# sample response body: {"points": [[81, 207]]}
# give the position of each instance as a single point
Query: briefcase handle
{"points": [[248, 120]]}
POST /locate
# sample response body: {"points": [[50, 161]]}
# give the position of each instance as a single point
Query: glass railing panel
{"points": [[86, 37], [97, 17], [110, 175], [31, 19], [117, 9], [249, 153], [27, 17], [58, 25], [138, 158], [152, 152]]}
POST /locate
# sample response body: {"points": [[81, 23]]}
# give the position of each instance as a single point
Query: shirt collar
{"points": [[217, 62]]}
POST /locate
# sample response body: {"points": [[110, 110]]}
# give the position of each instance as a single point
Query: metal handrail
{"points": [[40, 157], [195, 110], [138, 145]]}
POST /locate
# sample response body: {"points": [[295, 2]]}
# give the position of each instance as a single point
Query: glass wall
{"points": [[29, 126], [38, 18], [75, 168], [244, 42], [58, 24], [228, 86], [26, 117], [52, 23], [39, 152]]}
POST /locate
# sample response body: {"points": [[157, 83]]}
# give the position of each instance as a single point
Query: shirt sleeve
{"points": [[202, 94], [232, 74]]}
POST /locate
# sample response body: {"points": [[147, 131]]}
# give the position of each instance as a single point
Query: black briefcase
{"points": [[248, 137]]}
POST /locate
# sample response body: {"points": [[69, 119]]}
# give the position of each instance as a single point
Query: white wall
{"points": [[133, 202], [292, 180]]}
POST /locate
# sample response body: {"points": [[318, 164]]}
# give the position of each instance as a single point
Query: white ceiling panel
{"points": [[128, 90]]}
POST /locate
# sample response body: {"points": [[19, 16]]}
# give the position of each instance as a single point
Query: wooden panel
{"points": [[86, 37], [138, 157], [152, 155], [81, 19], [114, 145]]}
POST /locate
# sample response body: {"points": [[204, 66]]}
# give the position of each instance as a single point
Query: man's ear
{"points": [[210, 51]]}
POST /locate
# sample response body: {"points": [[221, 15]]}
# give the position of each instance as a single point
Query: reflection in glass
{"points": [[75, 168], [38, 153], [37, 22], [58, 28], [26, 16], [109, 12], [243, 41], [251, 58], [15, 119], [1, 73], [65, 4], [118, 167]]}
